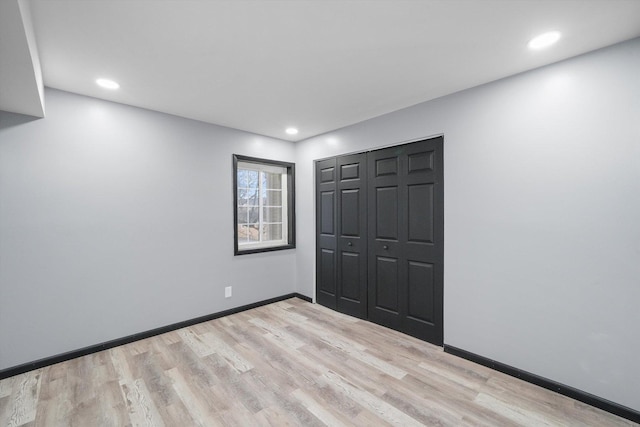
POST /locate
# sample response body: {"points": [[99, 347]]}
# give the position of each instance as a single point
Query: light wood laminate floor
{"points": [[288, 363]]}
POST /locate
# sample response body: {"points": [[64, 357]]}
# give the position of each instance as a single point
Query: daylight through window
{"points": [[263, 205]]}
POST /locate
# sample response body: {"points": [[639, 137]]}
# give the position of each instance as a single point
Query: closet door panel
{"points": [[326, 233], [406, 204], [352, 235]]}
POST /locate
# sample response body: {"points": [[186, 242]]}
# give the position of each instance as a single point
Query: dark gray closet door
{"points": [[326, 233], [352, 234], [405, 239], [380, 229], [341, 238]]}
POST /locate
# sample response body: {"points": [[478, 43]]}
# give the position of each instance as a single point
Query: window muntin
{"points": [[264, 205]]}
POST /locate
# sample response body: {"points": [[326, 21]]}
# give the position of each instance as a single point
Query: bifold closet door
{"points": [[326, 234], [405, 239], [379, 236], [342, 233]]}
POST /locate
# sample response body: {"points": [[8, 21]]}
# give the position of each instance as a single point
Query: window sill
{"points": [[265, 249]]}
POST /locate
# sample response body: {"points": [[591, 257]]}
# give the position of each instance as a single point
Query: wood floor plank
{"points": [[120, 364], [197, 404], [382, 409], [20, 406], [323, 413], [520, 415], [277, 332], [287, 363], [233, 358], [54, 405], [197, 344], [141, 409], [6, 386]]}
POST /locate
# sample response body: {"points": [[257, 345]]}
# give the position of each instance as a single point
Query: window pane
{"points": [[252, 197], [252, 179], [254, 215], [272, 232], [248, 233], [243, 233], [248, 196], [271, 180], [242, 197], [242, 178], [272, 214], [248, 215], [272, 198], [242, 216]]}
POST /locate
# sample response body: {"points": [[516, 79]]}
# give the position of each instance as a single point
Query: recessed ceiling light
{"points": [[291, 131], [544, 40], [107, 84]]}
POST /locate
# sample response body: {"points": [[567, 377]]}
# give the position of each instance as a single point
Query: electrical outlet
{"points": [[227, 292]]}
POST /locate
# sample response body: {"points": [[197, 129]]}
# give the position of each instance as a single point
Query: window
{"points": [[264, 205]]}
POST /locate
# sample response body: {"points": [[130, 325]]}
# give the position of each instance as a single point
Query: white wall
{"points": [[542, 216], [115, 220]]}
